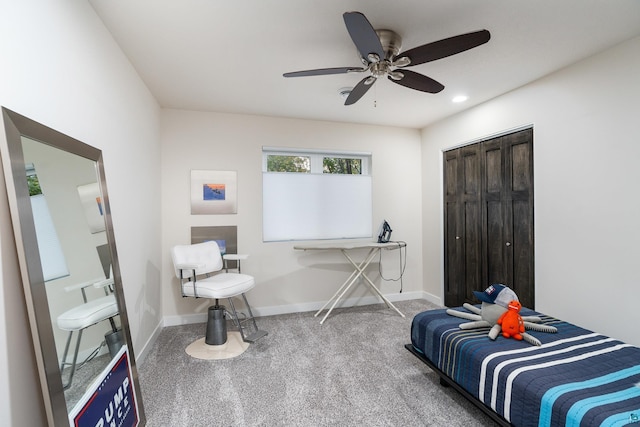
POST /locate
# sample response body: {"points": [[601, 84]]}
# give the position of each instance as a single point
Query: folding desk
{"points": [[359, 268]]}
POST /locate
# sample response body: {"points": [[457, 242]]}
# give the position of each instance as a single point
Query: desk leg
{"points": [[349, 282]]}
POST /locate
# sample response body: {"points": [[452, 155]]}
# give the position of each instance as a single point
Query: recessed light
{"points": [[460, 98]]}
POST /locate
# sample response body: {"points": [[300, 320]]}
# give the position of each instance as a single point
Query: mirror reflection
{"points": [[76, 263]]}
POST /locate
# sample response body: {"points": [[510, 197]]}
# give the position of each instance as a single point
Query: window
{"points": [[316, 162], [311, 194], [54, 265], [343, 165], [288, 163]]}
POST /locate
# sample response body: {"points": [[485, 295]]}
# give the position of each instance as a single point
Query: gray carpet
{"points": [[84, 376], [351, 371]]}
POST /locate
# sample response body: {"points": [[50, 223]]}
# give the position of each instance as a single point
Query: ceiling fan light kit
{"points": [[344, 92], [380, 55]]}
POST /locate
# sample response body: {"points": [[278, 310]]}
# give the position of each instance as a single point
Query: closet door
{"points": [[507, 223], [488, 218], [463, 214]]}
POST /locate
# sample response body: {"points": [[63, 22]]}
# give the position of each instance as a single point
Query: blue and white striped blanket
{"points": [[575, 378]]}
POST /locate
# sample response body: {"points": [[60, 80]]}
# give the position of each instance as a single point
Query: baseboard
{"points": [[84, 354], [140, 356], [187, 319], [184, 319], [432, 298]]}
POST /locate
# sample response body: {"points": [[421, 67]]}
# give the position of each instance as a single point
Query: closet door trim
{"points": [[489, 137]]}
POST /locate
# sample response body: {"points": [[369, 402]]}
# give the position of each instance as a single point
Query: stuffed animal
{"points": [[511, 322], [495, 301]]}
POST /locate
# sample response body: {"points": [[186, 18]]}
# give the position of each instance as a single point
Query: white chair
{"points": [[198, 267], [85, 315]]}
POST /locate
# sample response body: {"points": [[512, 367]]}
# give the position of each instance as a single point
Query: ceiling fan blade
{"points": [[359, 90], [363, 35], [417, 81], [445, 47], [323, 71]]}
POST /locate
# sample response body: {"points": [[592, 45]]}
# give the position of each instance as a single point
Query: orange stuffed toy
{"points": [[511, 322]]}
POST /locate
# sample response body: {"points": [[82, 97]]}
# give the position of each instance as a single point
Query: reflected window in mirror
{"points": [[54, 265]]}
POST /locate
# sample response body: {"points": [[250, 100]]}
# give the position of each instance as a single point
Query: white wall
{"points": [[287, 280], [61, 67], [586, 154]]}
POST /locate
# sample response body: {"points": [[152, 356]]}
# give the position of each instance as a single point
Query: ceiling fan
{"points": [[379, 53]]}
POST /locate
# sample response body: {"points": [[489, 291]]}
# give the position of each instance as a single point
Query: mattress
{"points": [[575, 378]]}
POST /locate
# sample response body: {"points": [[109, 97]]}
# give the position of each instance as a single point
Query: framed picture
{"points": [[92, 205], [213, 192]]}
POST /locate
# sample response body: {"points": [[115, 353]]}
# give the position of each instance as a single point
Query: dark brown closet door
{"points": [[463, 216], [489, 218]]}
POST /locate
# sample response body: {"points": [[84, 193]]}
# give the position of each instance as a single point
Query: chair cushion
{"points": [[89, 313], [222, 285]]}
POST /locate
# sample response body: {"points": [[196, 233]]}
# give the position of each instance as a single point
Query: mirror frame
{"points": [[17, 126]]}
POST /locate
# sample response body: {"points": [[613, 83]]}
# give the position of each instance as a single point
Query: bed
{"points": [[575, 378]]}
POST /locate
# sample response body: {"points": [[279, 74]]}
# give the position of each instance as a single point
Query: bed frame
{"points": [[445, 381]]}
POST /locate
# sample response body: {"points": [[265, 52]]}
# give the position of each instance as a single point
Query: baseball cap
{"points": [[497, 294]]}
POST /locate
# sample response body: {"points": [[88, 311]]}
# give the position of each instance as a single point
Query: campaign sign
{"points": [[110, 401]]}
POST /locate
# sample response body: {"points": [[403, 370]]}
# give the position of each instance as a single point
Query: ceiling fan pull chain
{"points": [[375, 97]]}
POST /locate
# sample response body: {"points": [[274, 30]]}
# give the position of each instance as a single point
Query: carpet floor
{"points": [[351, 371]]}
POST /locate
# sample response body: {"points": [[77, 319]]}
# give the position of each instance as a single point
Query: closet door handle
{"points": [[508, 243], [457, 237]]}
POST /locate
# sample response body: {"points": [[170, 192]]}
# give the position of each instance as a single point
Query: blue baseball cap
{"points": [[497, 294]]}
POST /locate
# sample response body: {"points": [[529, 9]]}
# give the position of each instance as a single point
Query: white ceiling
{"points": [[229, 55]]}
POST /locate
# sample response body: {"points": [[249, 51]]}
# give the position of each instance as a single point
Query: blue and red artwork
{"points": [[213, 192], [99, 202]]}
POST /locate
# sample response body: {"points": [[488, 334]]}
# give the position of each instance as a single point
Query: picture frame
{"points": [[92, 204], [213, 192]]}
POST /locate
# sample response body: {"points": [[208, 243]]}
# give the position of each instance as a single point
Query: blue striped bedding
{"points": [[575, 378]]}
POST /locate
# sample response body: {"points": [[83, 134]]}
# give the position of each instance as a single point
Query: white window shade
{"points": [[316, 206], [52, 258]]}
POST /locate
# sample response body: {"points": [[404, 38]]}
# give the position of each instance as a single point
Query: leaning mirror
{"points": [[69, 266]]}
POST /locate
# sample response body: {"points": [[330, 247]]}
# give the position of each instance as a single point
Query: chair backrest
{"points": [[207, 254]]}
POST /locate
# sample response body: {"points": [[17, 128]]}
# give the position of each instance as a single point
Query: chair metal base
{"points": [[256, 334], [216, 325], [220, 344], [114, 340], [64, 362]]}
